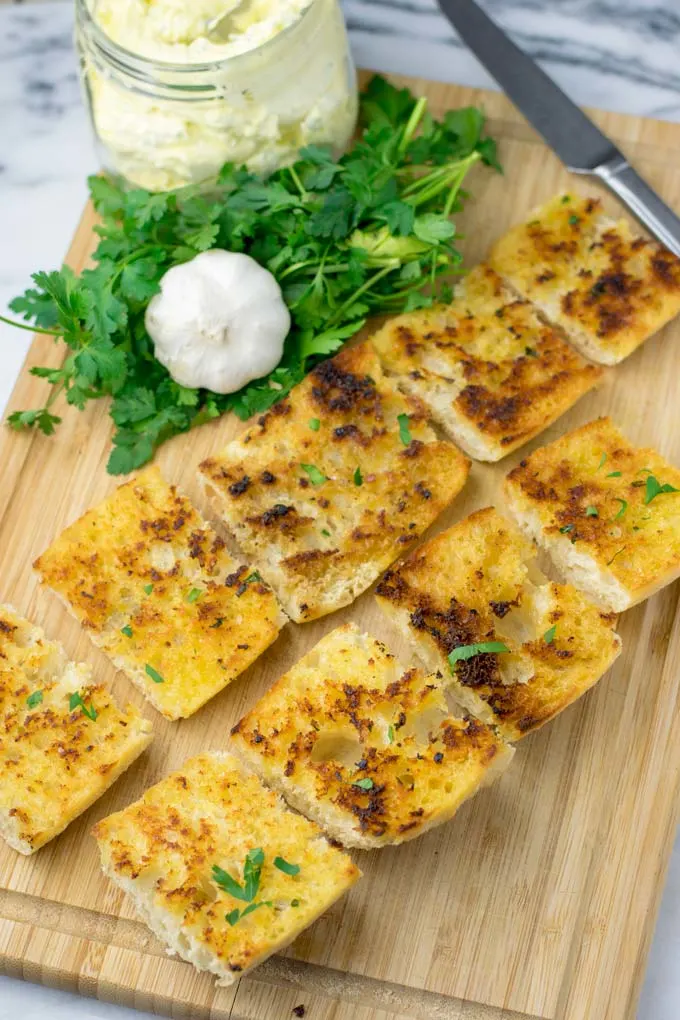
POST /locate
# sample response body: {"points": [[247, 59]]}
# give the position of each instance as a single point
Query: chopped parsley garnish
{"points": [[195, 594], [574, 219], [404, 430], [218, 623], [464, 652], [295, 903], [127, 630], [390, 733], [622, 508], [592, 511], [252, 872], [358, 477], [566, 528], [654, 488], [237, 915], [369, 233], [314, 424], [549, 635], [154, 674], [148, 588], [316, 477], [614, 474], [364, 784], [252, 578], [531, 352], [326, 532], [34, 699], [603, 460], [76, 701], [565, 199], [285, 867]]}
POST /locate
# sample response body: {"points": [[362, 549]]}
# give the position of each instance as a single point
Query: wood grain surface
{"points": [[539, 899]]}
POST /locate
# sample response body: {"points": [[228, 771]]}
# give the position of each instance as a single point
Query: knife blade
{"points": [[566, 128]]}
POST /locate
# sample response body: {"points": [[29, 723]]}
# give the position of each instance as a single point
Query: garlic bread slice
{"points": [[156, 589], [607, 512], [333, 483], [489, 370], [63, 739], [368, 750], [218, 867], [606, 287], [517, 649]]}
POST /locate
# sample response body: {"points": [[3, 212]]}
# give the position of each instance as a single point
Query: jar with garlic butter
{"points": [[177, 88]]}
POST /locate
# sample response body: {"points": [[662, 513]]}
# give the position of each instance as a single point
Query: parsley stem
{"points": [[412, 124], [358, 292], [28, 327], [297, 182]]}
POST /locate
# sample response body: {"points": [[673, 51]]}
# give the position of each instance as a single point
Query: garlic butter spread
{"points": [[196, 83]]}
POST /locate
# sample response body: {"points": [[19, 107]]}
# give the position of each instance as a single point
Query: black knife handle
{"points": [[643, 202]]}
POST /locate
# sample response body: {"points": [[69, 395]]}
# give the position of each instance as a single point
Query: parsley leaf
{"points": [[154, 674], [549, 635], [622, 508], [316, 477], [34, 699], [287, 868], [464, 652], [76, 701], [404, 430], [127, 630], [592, 511], [252, 871], [364, 784], [654, 488], [358, 477], [195, 594], [314, 424]]}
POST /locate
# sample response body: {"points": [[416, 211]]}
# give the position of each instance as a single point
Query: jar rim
{"points": [[132, 61]]}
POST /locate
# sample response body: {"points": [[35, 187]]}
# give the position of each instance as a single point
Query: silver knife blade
{"points": [[567, 130]]}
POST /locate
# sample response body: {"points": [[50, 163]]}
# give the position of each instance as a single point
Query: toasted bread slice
{"points": [[607, 513], [156, 589], [333, 483], [607, 288], [477, 583], [63, 740], [218, 867], [367, 750], [490, 372]]}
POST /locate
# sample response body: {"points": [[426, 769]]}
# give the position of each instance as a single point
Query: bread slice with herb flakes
{"points": [[333, 483], [606, 287], [368, 750], [63, 739], [607, 512], [490, 371], [155, 587], [221, 871], [517, 649]]}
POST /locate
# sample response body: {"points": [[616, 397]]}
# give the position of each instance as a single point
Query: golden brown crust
{"points": [[371, 752], [162, 850], [473, 584], [589, 489], [154, 586], [54, 760], [485, 364], [607, 288], [288, 490]]}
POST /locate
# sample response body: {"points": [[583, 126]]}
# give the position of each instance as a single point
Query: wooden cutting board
{"points": [[539, 899]]}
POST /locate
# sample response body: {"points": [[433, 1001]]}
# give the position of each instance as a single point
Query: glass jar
{"points": [[162, 125]]}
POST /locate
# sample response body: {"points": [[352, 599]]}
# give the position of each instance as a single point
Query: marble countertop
{"points": [[617, 54]]}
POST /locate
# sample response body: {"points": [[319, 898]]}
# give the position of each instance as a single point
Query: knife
{"points": [[572, 136]]}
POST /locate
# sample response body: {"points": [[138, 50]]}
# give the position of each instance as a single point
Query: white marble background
{"points": [[618, 54]]}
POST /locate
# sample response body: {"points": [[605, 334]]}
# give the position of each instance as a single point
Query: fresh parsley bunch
{"points": [[366, 234]]}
